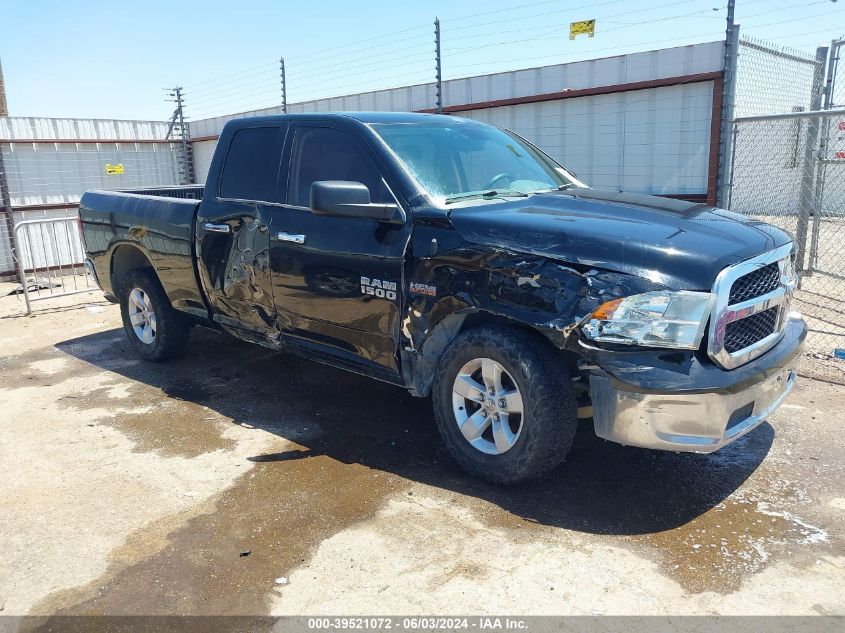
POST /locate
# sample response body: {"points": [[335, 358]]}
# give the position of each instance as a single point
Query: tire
{"points": [[539, 438], [159, 333]]}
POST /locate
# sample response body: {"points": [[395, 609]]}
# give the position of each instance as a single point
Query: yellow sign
{"points": [[112, 170], [582, 27]]}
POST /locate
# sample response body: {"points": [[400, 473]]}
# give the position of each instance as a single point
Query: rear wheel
{"points": [[504, 404], [154, 328]]}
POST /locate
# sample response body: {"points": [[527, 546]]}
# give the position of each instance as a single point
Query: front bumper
{"points": [[702, 411]]}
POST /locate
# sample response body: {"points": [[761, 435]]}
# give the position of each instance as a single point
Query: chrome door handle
{"points": [[290, 237], [217, 228]]}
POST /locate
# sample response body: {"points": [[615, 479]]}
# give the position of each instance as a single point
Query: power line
{"points": [[448, 29], [595, 50], [214, 79], [801, 19], [374, 60], [369, 39], [309, 58], [324, 68], [312, 64], [324, 81], [599, 19], [504, 10], [267, 73], [212, 94]]}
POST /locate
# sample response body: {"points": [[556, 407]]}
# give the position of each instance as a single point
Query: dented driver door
{"points": [[232, 231], [337, 280]]}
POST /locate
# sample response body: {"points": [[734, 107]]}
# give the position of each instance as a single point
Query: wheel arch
{"points": [[124, 259], [424, 364]]}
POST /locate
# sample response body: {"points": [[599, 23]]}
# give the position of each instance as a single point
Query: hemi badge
{"points": [[423, 289]]}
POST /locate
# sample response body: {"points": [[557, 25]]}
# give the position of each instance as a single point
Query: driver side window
{"points": [[321, 153]]}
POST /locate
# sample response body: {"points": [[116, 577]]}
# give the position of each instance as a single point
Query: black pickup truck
{"points": [[459, 261]]}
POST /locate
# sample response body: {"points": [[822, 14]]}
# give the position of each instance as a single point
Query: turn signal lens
{"points": [[606, 310]]}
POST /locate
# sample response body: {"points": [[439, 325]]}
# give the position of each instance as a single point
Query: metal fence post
{"points": [[826, 88], [438, 68], [807, 200], [21, 268], [734, 133], [284, 85], [6, 210], [832, 68], [728, 104]]}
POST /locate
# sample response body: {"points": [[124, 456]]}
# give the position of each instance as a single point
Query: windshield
{"points": [[459, 160]]}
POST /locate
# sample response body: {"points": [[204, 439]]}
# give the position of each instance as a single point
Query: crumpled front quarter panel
{"points": [[464, 278]]}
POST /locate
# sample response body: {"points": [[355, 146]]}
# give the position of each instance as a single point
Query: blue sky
{"points": [[115, 59]]}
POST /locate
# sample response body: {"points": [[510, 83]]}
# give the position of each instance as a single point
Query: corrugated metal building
{"points": [[49, 163], [643, 122]]}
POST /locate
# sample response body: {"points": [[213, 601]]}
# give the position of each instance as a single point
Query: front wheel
{"points": [[154, 328], [504, 404]]}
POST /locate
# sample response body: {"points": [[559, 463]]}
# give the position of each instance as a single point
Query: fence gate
{"points": [[788, 171]]}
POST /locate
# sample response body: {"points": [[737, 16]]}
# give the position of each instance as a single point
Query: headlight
{"points": [[652, 319]]}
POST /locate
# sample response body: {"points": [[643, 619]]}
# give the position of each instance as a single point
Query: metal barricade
{"points": [[51, 259]]}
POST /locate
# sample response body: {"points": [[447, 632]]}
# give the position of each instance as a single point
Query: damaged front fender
{"points": [[472, 285]]}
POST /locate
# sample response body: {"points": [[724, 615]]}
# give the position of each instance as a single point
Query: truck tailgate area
{"points": [[160, 226]]}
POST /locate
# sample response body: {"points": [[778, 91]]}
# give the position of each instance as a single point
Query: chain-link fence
{"points": [[44, 179], [773, 79], [788, 169], [780, 177]]}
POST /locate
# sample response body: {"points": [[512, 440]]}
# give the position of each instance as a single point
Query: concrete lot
{"points": [[191, 487]]}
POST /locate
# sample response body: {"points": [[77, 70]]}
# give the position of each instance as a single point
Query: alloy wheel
{"points": [[488, 406]]}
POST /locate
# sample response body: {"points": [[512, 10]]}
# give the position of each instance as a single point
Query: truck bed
{"points": [[182, 192], [158, 222]]}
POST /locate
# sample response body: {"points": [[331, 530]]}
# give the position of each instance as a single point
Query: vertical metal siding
{"points": [[647, 141], [30, 128], [203, 153], [608, 71], [54, 173], [54, 161]]}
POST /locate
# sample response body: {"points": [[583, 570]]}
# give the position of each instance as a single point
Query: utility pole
{"points": [[284, 86], [723, 180], [4, 105], [438, 108], [177, 122]]}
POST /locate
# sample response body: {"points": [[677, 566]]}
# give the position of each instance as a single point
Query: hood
{"points": [[679, 244]]}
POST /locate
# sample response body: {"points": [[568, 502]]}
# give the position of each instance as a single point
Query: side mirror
{"points": [[351, 199]]}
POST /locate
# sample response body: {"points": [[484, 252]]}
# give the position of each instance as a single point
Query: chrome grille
{"points": [[745, 332], [752, 298], [755, 284]]}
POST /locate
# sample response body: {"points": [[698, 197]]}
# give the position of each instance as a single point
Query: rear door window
{"points": [[251, 168]]}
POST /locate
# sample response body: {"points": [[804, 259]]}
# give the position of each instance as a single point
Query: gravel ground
{"points": [[241, 481]]}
